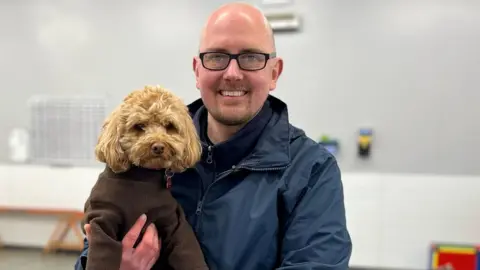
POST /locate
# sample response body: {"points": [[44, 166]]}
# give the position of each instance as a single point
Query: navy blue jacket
{"points": [[269, 198]]}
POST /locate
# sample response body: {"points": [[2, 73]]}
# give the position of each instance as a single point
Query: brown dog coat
{"points": [[116, 202]]}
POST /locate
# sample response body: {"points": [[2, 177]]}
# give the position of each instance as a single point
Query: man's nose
{"points": [[233, 71]]}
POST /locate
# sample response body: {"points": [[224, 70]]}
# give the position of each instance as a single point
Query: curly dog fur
{"points": [[151, 128], [144, 140]]}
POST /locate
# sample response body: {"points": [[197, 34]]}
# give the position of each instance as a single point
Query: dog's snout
{"points": [[157, 148]]}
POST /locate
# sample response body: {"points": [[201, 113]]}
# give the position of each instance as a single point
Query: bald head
{"points": [[240, 15]]}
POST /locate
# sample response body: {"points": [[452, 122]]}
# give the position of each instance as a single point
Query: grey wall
{"points": [[408, 69]]}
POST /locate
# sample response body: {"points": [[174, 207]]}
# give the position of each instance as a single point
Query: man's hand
{"points": [[144, 256]]}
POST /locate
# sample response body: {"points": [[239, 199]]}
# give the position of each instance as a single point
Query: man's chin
{"points": [[230, 115], [232, 120]]}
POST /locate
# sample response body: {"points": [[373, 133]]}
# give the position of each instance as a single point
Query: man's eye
{"points": [[216, 57]]}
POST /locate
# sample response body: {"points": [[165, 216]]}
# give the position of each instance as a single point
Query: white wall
{"points": [[392, 218], [408, 69]]}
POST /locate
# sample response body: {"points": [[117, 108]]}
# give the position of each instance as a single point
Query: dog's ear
{"points": [[193, 150], [108, 149]]}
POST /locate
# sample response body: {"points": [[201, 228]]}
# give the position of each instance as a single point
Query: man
{"points": [[264, 195]]}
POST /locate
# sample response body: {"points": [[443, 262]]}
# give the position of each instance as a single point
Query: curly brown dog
{"points": [[143, 142]]}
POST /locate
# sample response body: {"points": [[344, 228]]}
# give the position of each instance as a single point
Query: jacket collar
{"points": [[273, 147]]}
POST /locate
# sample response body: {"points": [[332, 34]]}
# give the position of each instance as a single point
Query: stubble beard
{"points": [[235, 117], [234, 120]]}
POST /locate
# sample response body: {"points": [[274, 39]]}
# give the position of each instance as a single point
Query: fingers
{"points": [[154, 259], [132, 235], [149, 248], [87, 231]]}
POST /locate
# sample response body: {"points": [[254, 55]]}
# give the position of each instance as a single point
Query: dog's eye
{"points": [[139, 127], [170, 128]]}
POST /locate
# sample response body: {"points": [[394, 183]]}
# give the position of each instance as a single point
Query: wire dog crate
{"points": [[65, 130]]}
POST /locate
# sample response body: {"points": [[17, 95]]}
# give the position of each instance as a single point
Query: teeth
{"points": [[233, 93]]}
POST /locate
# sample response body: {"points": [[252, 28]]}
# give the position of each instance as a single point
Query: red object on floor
{"points": [[457, 257], [458, 261]]}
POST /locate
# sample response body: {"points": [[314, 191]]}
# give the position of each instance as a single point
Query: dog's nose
{"points": [[157, 148]]}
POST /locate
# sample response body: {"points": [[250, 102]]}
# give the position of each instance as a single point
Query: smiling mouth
{"points": [[233, 93]]}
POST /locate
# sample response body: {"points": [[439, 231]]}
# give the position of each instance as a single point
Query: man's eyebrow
{"points": [[252, 50], [222, 50], [215, 50]]}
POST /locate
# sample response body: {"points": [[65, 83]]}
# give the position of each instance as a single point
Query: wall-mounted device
{"points": [[284, 21], [330, 144], [365, 142]]}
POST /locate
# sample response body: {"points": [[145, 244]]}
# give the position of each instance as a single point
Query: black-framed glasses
{"points": [[250, 61]]}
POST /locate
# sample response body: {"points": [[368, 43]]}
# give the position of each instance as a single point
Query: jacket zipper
{"points": [[209, 161], [209, 155], [198, 211]]}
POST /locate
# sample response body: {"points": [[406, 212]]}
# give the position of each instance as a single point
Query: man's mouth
{"points": [[233, 93]]}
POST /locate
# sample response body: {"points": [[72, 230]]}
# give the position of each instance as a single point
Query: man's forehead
{"points": [[235, 38], [238, 44]]}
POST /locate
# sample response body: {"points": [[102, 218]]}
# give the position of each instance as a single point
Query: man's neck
{"points": [[218, 133]]}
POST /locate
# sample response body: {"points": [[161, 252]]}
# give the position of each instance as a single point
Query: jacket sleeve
{"points": [[81, 262], [315, 230]]}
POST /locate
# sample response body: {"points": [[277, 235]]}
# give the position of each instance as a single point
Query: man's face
{"points": [[231, 95]]}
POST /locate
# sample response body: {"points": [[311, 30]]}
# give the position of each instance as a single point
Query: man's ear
{"points": [[195, 63], [276, 72]]}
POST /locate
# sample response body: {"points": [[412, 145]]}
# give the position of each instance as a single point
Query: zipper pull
{"points": [[199, 208], [210, 155]]}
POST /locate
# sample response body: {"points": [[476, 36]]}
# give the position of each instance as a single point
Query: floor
{"points": [[23, 259], [34, 259]]}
